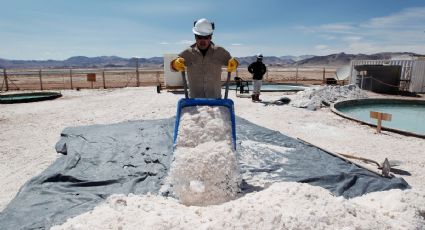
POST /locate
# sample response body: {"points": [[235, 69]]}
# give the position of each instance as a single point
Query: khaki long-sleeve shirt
{"points": [[204, 72]]}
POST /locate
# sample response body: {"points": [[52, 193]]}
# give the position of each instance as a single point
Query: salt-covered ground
{"points": [[30, 131]]}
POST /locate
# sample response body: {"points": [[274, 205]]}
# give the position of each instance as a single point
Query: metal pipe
{"points": [[226, 93], [186, 95]]}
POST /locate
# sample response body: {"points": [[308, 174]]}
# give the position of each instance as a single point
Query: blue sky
{"points": [[59, 29]]}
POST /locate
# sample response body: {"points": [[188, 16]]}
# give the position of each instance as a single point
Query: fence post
{"points": [[157, 77], [70, 77], [296, 76], [41, 82], [267, 73], [5, 79], [137, 72], [103, 79], [324, 76]]}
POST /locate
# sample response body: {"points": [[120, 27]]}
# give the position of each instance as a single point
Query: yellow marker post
{"points": [[380, 116]]}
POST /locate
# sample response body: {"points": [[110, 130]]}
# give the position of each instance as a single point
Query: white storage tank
{"points": [[172, 79]]}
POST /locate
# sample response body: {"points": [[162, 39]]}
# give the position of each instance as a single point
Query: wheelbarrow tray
{"points": [[186, 102]]}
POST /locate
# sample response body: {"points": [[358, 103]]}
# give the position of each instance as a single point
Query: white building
{"points": [[412, 77]]}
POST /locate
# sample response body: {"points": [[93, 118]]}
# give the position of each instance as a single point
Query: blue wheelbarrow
{"points": [[186, 102]]}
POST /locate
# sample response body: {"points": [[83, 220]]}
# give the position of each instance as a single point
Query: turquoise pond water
{"points": [[274, 87], [406, 117]]}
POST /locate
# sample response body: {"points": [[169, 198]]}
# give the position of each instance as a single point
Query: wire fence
{"points": [[49, 79], [312, 75], [45, 79]]}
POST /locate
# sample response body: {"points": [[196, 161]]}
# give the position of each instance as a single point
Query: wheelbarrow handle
{"points": [[226, 93], [186, 94]]}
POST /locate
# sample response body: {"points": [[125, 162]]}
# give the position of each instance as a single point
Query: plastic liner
{"points": [[28, 97], [134, 157]]}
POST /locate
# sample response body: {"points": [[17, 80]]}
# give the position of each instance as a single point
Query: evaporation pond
{"points": [[406, 117]]}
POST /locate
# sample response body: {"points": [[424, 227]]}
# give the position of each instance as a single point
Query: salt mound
{"points": [[204, 170], [200, 124], [315, 98], [285, 205], [204, 175]]}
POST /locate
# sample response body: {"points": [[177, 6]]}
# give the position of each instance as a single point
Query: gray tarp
{"points": [[134, 157]]}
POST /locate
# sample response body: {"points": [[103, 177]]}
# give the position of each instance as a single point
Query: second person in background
{"points": [[257, 69]]}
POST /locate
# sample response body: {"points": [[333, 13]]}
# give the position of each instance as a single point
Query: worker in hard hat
{"points": [[204, 61], [257, 69]]}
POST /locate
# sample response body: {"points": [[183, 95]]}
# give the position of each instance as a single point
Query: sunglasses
{"points": [[199, 37]]}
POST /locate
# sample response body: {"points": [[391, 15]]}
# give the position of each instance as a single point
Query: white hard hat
{"points": [[203, 27], [260, 55]]}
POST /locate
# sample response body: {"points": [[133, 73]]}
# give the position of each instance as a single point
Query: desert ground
{"points": [[30, 131]]}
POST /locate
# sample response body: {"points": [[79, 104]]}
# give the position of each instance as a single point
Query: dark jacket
{"points": [[257, 69]]}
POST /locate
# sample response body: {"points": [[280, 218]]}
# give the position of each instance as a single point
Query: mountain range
{"points": [[336, 60]]}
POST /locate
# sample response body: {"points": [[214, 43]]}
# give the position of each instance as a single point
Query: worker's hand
{"points": [[232, 65], [178, 64]]}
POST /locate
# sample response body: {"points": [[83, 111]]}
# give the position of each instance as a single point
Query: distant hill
{"points": [[296, 58], [339, 59], [269, 60], [83, 62]]}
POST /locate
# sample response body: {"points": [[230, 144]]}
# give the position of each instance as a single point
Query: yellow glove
{"points": [[178, 64], [232, 65]]}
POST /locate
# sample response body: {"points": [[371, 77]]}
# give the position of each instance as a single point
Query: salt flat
{"points": [[30, 131]]}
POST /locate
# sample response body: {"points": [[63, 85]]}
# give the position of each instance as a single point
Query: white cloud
{"points": [[363, 47], [326, 49], [165, 8], [370, 48], [407, 18], [402, 31], [236, 44], [337, 27], [185, 42], [321, 47], [334, 28], [352, 38], [327, 37], [163, 43], [306, 29]]}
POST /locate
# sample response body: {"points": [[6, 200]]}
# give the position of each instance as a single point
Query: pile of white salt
{"points": [[284, 205], [204, 170]]}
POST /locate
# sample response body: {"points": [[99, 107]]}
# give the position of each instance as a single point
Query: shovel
{"points": [[386, 166], [186, 102]]}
